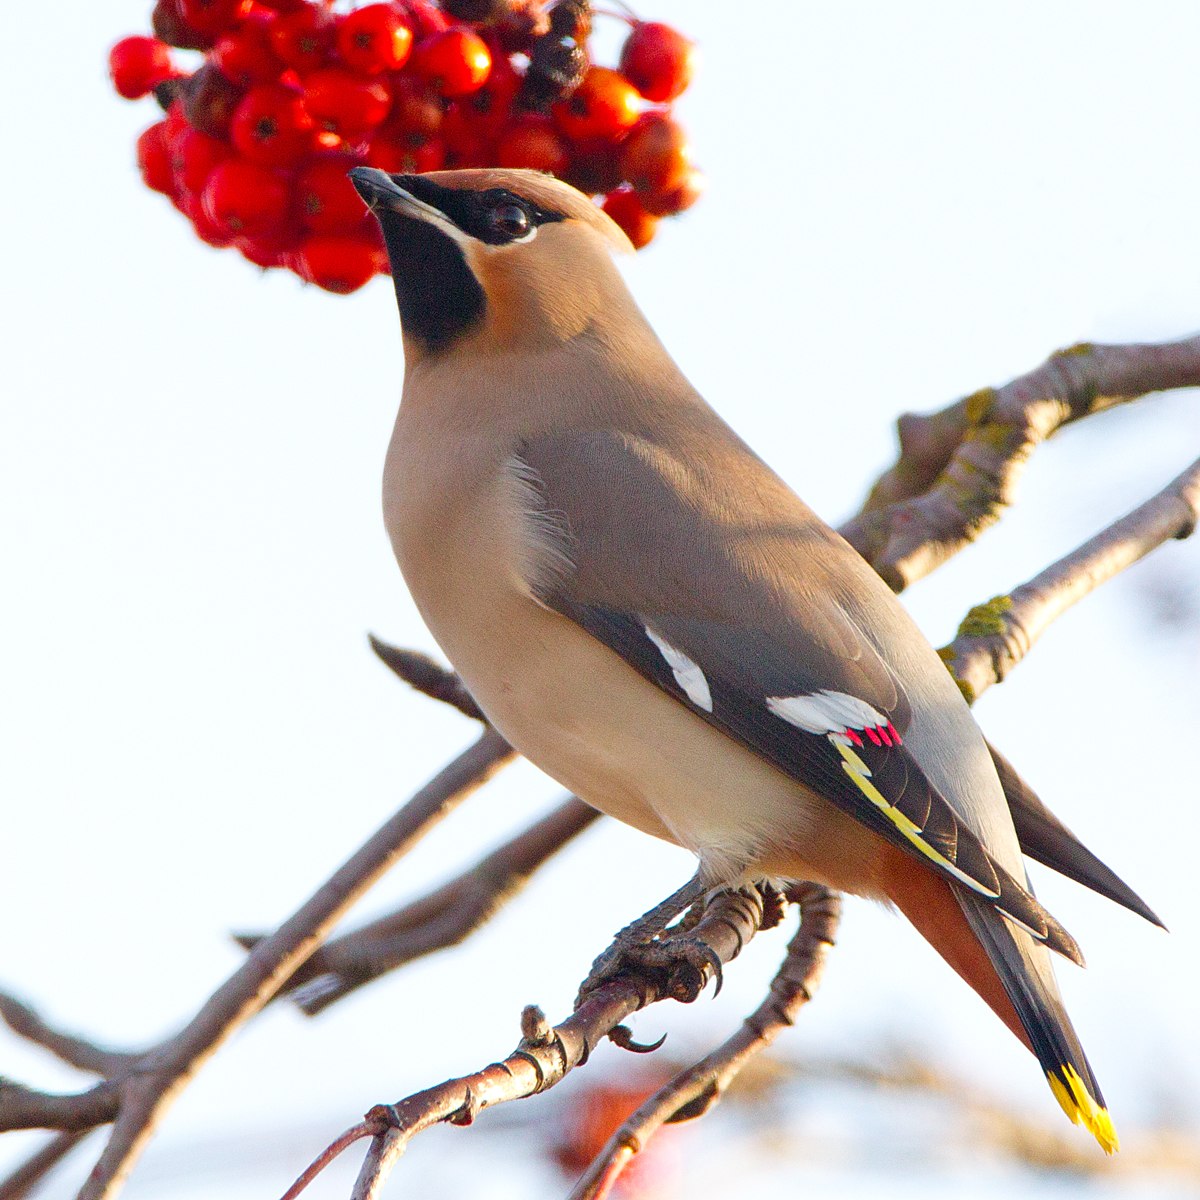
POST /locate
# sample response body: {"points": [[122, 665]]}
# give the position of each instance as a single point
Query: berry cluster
{"points": [[290, 94]]}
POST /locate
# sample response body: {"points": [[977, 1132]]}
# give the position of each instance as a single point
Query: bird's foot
{"points": [[680, 965]]}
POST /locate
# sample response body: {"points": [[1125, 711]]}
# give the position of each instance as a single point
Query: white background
{"points": [[906, 202]]}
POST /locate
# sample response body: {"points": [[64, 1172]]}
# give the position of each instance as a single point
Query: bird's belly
{"points": [[586, 718]]}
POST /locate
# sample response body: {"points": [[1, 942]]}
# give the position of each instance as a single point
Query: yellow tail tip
{"points": [[1082, 1108]]}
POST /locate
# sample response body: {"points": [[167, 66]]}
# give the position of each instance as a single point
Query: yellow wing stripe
{"points": [[1070, 1092], [860, 774]]}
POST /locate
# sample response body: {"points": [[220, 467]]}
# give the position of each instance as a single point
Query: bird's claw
{"points": [[687, 964]]}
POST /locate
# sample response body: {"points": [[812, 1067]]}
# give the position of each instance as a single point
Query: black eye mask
{"points": [[482, 215]]}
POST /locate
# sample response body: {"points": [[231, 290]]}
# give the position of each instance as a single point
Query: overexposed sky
{"points": [[906, 202]]}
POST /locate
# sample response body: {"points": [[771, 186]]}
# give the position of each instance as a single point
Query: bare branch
{"points": [[35, 1168], [352, 1135], [23, 1107], [995, 636], [442, 918], [958, 469], [694, 1091], [144, 1087], [69, 1048], [147, 1095], [427, 676], [547, 1054]]}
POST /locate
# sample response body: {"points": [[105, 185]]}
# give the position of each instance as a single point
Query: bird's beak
{"points": [[383, 194]]}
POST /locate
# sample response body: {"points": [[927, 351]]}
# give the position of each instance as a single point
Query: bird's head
{"points": [[515, 258]]}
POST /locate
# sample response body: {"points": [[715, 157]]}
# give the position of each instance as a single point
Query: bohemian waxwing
{"points": [[647, 612]]}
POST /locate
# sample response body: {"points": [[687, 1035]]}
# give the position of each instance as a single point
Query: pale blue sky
{"points": [[906, 202]]}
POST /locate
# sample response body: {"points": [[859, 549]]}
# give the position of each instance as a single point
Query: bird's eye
{"points": [[511, 220]]}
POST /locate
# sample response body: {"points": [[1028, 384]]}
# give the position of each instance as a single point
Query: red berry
{"points": [[457, 61], [338, 264], [282, 5], [304, 38], [243, 198], [207, 230], [680, 197], [345, 103], [466, 145], [176, 124], [603, 107], [375, 38], [193, 157], [658, 61], [417, 113], [594, 167], [626, 209], [656, 157], [490, 107], [533, 142], [154, 159], [138, 65], [399, 158], [213, 17], [273, 248], [426, 18], [325, 197], [271, 126], [245, 55]]}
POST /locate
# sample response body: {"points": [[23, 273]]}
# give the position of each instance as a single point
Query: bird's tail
{"points": [[1027, 977], [1013, 974]]}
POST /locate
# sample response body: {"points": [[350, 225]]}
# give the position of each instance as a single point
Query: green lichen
{"points": [[986, 620], [947, 655], [979, 404], [1075, 351]]}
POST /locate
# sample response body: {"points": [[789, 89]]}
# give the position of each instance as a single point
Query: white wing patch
{"points": [[826, 712], [687, 673]]}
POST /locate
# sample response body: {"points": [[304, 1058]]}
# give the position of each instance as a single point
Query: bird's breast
{"points": [[468, 539]]}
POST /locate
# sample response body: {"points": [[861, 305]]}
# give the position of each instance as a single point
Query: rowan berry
{"points": [[456, 61], [603, 107], [658, 61], [375, 38], [138, 65]]}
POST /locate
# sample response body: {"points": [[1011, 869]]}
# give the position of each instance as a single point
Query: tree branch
{"points": [[441, 918], [147, 1084], [545, 1054], [35, 1168], [427, 676], [69, 1048], [694, 1091], [958, 469], [995, 636]]}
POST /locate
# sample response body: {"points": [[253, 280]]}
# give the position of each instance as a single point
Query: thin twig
{"points": [[428, 677], [144, 1088], [441, 918], [34, 1169], [547, 1054], [995, 636], [694, 1091], [75, 1051], [352, 1135], [148, 1095], [958, 469]]}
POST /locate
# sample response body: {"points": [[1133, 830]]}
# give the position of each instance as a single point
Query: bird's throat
{"points": [[437, 293]]}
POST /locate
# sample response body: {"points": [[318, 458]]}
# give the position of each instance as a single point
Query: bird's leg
{"points": [[637, 945]]}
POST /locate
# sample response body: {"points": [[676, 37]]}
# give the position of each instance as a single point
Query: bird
{"points": [[650, 614]]}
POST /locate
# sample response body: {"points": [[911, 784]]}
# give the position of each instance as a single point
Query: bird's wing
{"points": [[1045, 838], [731, 606]]}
